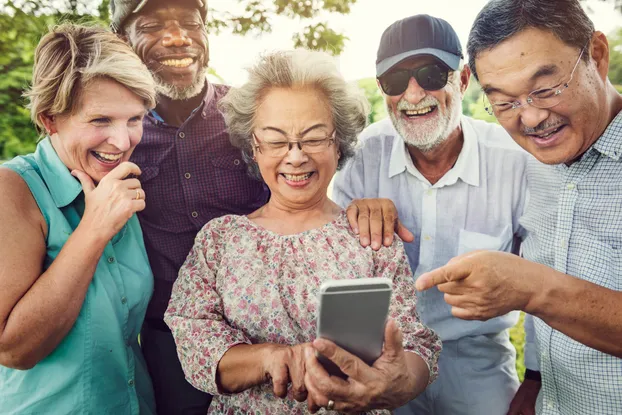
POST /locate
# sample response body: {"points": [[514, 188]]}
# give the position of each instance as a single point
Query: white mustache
{"points": [[426, 102]]}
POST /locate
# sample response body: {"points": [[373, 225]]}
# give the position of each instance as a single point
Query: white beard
{"points": [[182, 93], [428, 135]]}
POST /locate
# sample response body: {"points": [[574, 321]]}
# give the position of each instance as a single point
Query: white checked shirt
{"points": [[476, 205], [574, 224]]}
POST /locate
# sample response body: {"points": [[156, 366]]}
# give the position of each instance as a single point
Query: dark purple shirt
{"points": [[191, 175]]}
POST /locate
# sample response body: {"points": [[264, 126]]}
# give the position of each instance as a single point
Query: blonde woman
{"points": [[74, 275]]}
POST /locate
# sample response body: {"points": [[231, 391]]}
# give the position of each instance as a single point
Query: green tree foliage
{"points": [[375, 98], [23, 22]]}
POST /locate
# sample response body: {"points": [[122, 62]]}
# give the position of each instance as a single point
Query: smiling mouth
{"points": [[419, 112], [547, 135], [177, 63], [297, 177], [107, 157]]}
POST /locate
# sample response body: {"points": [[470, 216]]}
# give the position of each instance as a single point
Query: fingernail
{"points": [[387, 241], [375, 245], [356, 231], [365, 241]]}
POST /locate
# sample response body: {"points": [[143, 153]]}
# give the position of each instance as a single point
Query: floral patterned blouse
{"points": [[244, 284]]}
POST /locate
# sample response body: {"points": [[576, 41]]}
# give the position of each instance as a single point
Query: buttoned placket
{"points": [[427, 250], [568, 197], [113, 266]]}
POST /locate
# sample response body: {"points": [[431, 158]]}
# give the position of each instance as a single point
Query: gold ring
{"points": [[330, 405], [137, 194]]}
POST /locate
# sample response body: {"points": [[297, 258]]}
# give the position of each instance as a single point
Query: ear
{"points": [[465, 78], [599, 53], [49, 123]]}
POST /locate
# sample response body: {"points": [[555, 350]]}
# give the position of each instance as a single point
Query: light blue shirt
{"points": [[476, 205], [98, 368], [574, 224]]}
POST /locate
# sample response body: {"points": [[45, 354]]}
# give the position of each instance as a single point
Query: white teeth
{"points": [[297, 177], [422, 111], [109, 157], [178, 63]]}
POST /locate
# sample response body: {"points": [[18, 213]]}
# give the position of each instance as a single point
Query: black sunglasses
{"points": [[430, 77]]}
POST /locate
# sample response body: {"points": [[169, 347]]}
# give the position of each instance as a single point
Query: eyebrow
{"points": [[278, 130], [545, 70]]}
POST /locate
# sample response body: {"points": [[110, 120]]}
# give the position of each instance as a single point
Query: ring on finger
{"points": [[330, 405], [138, 195]]}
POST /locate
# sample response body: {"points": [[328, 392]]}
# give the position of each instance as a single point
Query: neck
{"points": [[435, 163], [176, 112]]}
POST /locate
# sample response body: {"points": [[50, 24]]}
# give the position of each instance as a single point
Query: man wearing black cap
{"points": [[458, 184], [190, 171]]}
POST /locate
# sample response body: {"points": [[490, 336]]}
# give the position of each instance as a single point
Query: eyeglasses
{"points": [[430, 77], [540, 98], [275, 144]]}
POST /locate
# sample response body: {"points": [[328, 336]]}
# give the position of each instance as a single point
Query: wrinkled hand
{"points": [[481, 285], [386, 384], [285, 364], [112, 203], [524, 402], [375, 221]]}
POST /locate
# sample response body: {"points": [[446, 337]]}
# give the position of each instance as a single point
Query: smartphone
{"points": [[352, 314]]}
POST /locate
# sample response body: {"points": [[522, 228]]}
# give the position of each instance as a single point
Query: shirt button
{"points": [[187, 175], [123, 300], [550, 405], [562, 243], [111, 259], [181, 134], [427, 237], [429, 192], [195, 214], [130, 382], [570, 186], [236, 162]]}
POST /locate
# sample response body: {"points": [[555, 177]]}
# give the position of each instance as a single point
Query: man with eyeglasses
{"points": [[544, 70], [459, 185]]}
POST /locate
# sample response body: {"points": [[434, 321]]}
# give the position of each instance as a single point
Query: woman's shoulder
{"points": [[223, 225]]}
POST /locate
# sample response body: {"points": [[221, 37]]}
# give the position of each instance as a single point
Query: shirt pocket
{"points": [[472, 241], [234, 185], [148, 173]]}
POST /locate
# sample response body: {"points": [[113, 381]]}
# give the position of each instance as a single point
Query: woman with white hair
{"points": [[74, 276], [243, 309]]}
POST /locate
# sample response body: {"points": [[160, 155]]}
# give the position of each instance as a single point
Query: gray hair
{"points": [[501, 19], [296, 68]]}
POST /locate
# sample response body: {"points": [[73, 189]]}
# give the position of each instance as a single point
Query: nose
{"points": [[120, 138], [531, 116], [176, 36], [414, 93], [295, 156]]}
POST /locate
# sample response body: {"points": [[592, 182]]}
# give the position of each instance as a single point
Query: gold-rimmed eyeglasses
{"points": [[275, 144], [540, 98]]}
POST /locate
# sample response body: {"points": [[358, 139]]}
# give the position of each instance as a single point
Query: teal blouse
{"points": [[98, 368]]}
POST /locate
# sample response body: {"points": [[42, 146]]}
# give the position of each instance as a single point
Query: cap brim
{"points": [[449, 59], [144, 2]]}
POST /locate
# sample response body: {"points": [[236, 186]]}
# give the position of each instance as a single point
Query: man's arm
{"points": [[374, 220], [482, 285]]}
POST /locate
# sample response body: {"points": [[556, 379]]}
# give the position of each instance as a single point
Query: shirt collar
{"points": [[610, 143], [207, 99], [466, 167], [63, 187]]}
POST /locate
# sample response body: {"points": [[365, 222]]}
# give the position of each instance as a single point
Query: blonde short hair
{"points": [[71, 56], [295, 69]]}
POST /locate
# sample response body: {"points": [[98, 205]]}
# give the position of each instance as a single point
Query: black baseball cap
{"points": [[120, 10], [418, 35]]}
